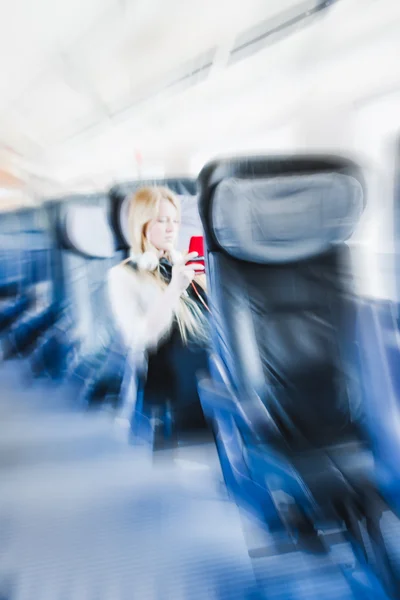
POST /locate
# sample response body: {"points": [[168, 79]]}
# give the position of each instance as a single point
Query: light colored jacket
{"points": [[143, 312]]}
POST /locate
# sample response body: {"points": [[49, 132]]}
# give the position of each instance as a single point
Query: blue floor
{"points": [[86, 516]]}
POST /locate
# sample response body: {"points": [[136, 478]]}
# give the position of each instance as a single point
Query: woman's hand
{"points": [[183, 274]]}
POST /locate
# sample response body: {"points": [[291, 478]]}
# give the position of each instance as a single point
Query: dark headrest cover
{"points": [[182, 187]]}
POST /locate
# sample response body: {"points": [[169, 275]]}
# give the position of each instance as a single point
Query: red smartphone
{"points": [[196, 244]]}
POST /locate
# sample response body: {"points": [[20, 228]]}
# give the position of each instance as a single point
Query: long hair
{"points": [[143, 208]]}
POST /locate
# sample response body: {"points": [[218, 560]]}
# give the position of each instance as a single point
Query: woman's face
{"points": [[162, 231]]}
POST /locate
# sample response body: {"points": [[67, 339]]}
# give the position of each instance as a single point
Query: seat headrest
{"points": [[190, 220], [179, 185], [120, 195], [284, 217], [86, 230]]}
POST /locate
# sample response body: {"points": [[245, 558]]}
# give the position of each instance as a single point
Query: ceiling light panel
{"points": [[288, 20]]}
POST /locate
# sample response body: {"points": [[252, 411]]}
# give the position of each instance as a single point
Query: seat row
{"points": [[53, 268]]}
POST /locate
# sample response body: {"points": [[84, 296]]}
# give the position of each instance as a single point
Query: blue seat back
{"points": [[84, 338], [27, 275], [279, 281]]}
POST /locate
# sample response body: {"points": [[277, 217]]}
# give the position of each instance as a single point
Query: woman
{"points": [[160, 307]]}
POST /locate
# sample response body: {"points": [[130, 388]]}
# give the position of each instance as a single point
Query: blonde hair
{"points": [[143, 208]]}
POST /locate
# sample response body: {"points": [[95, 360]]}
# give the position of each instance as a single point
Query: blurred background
{"points": [[97, 97]]}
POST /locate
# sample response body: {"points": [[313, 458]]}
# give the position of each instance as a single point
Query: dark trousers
{"points": [[171, 383]]}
